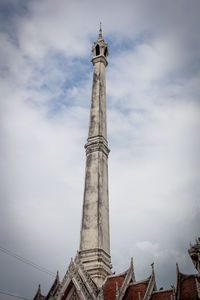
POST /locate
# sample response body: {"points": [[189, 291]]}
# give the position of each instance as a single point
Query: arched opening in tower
{"points": [[105, 52], [97, 50]]}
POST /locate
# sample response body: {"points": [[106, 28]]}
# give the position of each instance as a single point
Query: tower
{"points": [[94, 236]]}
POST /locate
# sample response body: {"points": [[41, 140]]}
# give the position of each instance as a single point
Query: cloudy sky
{"points": [[153, 90]]}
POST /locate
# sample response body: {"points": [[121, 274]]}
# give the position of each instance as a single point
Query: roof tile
{"points": [[109, 288], [189, 289], [162, 295], [136, 289]]}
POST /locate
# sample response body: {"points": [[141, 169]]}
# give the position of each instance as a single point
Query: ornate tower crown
{"points": [[100, 48]]}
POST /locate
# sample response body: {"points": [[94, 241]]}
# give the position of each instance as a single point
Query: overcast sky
{"points": [[153, 93]]}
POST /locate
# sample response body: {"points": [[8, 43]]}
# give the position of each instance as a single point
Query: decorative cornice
{"points": [[99, 58], [97, 143]]}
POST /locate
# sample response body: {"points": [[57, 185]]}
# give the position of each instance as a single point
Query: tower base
{"points": [[97, 263]]}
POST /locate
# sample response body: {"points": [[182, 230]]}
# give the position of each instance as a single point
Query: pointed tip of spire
{"points": [[100, 31]]}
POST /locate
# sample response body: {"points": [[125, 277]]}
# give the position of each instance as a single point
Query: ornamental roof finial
{"points": [[152, 266]]}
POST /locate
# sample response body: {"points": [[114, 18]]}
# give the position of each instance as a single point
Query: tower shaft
{"points": [[95, 238]]}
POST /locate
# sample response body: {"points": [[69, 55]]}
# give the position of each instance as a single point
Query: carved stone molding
{"points": [[198, 286], [129, 277], [151, 286]]}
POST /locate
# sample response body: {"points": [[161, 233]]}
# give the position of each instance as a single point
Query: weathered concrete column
{"points": [[95, 237]]}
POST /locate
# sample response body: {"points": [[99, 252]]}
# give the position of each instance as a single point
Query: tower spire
{"points": [[100, 32], [94, 249]]}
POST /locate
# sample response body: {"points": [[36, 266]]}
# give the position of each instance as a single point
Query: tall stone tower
{"points": [[95, 238]]}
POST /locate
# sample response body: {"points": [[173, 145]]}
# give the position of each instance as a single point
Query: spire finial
{"points": [[57, 275], [39, 290], [152, 266], [177, 268], [100, 31]]}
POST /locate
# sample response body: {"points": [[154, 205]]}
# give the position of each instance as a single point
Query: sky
{"points": [[153, 120]]}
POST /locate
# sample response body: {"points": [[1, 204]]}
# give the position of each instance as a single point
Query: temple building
{"points": [[89, 275]]}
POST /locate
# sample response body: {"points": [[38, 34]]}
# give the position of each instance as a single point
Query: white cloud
{"points": [[147, 246]]}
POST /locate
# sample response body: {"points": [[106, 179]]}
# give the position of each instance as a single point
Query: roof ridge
{"points": [[162, 291], [140, 281], [117, 275], [187, 275]]}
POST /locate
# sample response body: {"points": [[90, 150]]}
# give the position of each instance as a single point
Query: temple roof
{"points": [[163, 295], [188, 287], [137, 290], [53, 288]]}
